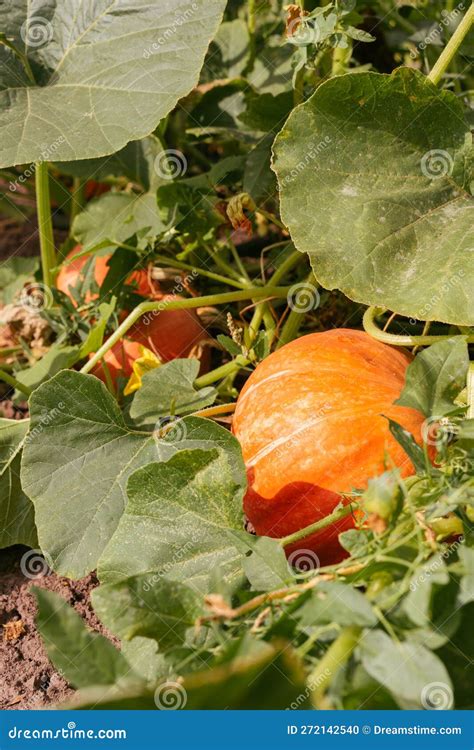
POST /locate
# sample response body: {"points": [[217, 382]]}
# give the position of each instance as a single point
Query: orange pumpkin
{"points": [[168, 333], [70, 273], [311, 420]]}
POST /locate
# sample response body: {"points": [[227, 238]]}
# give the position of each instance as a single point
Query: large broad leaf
{"points": [[332, 601], [161, 609], [410, 671], [106, 72], [183, 521], [14, 273], [139, 161], [374, 173], [436, 376], [116, 217], [252, 674], [77, 460], [169, 389], [85, 658], [17, 521]]}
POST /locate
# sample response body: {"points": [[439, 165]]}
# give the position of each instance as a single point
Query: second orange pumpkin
{"points": [[312, 424]]}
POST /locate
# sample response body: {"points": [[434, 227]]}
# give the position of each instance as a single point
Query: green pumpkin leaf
{"points": [[466, 593], [408, 670], [116, 217], [436, 377], [84, 657], [139, 161], [267, 567], [58, 357], [148, 607], [336, 602], [261, 674], [374, 174], [14, 274], [410, 446], [169, 390], [103, 77], [77, 460], [183, 519], [17, 518]]}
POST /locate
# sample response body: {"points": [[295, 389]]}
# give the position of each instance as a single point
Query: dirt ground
{"points": [[28, 679]]}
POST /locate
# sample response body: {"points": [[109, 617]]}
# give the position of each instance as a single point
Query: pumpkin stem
{"points": [[371, 327], [317, 526], [335, 657], [470, 391]]}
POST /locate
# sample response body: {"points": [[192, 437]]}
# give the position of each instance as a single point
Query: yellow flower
{"points": [[144, 363]]}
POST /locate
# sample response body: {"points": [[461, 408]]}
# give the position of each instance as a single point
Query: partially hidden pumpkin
{"points": [[73, 266], [169, 334], [312, 423]]}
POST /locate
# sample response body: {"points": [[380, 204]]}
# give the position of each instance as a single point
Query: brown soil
{"points": [[22, 238], [28, 679]]}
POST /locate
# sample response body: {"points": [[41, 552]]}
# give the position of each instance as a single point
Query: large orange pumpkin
{"points": [[311, 421], [168, 333], [71, 271]]}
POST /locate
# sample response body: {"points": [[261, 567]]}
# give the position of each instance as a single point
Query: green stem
{"points": [[252, 27], [181, 304], [336, 656], [317, 526], [78, 198], [295, 318], [470, 391], [452, 47], [45, 224], [215, 411], [23, 58], [222, 372], [290, 262], [272, 218], [220, 263], [10, 380], [341, 58], [372, 328], [263, 311], [174, 263], [7, 350]]}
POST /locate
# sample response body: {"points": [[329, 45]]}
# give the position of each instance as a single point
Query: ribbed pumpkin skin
{"points": [[309, 420]]}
